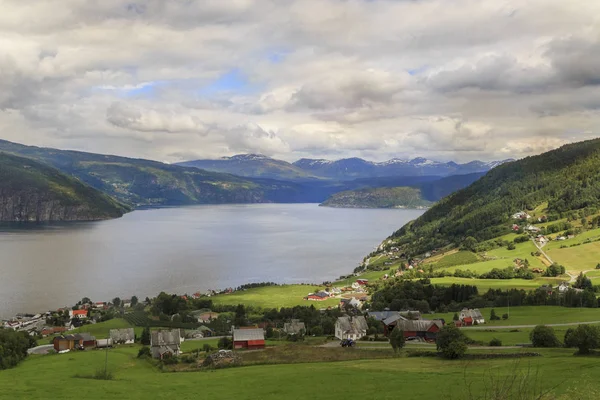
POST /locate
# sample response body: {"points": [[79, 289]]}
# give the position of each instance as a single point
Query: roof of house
{"points": [[165, 338], [352, 324], [248, 334], [420, 325], [382, 315], [294, 326], [393, 318], [126, 334], [80, 312]]}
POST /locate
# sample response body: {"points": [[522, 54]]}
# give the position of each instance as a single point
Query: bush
{"points": [[225, 343], [144, 352], [493, 316], [451, 342], [544, 336], [397, 340], [317, 331], [511, 246], [496, 342], [505, 316], [585, 338]]}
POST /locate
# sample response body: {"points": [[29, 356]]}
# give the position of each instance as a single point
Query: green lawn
{"points": [[591, 234], [578, 258], [522, 251], [485, 284], [101, 329], [459, 258], [191, 345], [45, 377], [483, 266], [275, 297], [510, 338], [534, 315]]}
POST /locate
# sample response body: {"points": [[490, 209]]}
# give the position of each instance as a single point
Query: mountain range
{"points": [[259, 166]]}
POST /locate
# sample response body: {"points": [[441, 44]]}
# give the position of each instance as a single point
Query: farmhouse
{"points": [[77, 341], [350, 327], [294, 327], [165, 344], [122, 336], [318, 296], [81, 314], [422, 328], [362, 282], [470, 317], [521, 215], [382, 315], [249, 338]]}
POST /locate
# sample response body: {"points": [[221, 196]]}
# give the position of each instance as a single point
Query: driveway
{"points": [[45, 349]]}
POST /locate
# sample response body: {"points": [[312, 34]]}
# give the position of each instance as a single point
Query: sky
{"points": [[379, 79]]}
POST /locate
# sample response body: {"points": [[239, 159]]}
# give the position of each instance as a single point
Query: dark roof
{"points": [[382, 315], [393, 318], [294, 327], [353, 324], [421, 325], [122, 334], [248, 334]]}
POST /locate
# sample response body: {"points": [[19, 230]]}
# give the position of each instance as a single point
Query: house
{"points": [[76, 341], [352, 302], [532, 228], [382, 315], [422, 328], [546, 288], [122, 336], [362, 282], [294, 327], [471, 317], [81, 314], [515, 227], [165, 344], [541, 239], [47, 331], [563, 287], [351, 327], [391, 321], [521, 215], [206, 331], [205, 316], [99, 304], [250, 338], [318, 296], [561, 238]]}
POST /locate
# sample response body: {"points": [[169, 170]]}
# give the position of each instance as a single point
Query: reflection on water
{"points": [[184, 249]]}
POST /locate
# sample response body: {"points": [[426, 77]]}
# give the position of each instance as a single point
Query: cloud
{"points": [[164, 79], [148, 120]]}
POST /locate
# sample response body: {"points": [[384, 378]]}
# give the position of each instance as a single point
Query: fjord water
{"points": [[185, 249]]}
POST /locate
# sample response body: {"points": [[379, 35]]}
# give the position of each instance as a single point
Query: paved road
{"points": [[45, 349], [484, 327]]}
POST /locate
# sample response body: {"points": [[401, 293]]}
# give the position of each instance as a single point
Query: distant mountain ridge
{"points": [[260, 166]]}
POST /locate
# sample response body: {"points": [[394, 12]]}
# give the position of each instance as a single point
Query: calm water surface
{"points": [[185, 250]]}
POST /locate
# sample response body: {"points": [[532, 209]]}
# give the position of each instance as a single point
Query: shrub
{"points": [[144, 352], [451, 342], [496, 342], [544, 336], [317, 330], [493, 316], [585, 338], [225, 343], [504, 316], [511, 246]]}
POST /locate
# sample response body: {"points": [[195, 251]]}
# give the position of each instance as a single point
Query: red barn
{"points": [[423, 328], [249, 338]]}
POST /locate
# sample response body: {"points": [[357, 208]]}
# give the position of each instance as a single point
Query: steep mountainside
{"points": [[259, 166], [252, 165], [145, 183], [566, 179], [32, 191], [395, 197]]}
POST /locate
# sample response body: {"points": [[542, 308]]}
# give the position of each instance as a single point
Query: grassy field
{"points": [[481, 267], [275, 297], [458, 258], [54, 376], [522, 251], [534, 315], [190, 345], [579, 258], [511, 337]]}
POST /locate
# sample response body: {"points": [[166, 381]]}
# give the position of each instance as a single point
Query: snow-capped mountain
{"points": [[260, 166]]}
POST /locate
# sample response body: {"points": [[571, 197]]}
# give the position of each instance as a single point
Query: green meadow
{"points": [[274, 297], [64, 376]]}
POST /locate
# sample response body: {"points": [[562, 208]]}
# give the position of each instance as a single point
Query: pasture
{"points": [[274, 297]]}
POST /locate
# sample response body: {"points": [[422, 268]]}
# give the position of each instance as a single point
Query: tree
{"points": [[144, 352], [504, 316], [469, 244], [585, 338], [495, 342], [397, 339], [145, 338], [493, 316], [451, 342], [511, 246], [240, 316], [569, 340], [455, 317], [134, 301], [316, 331], [543, 336], [269, 332], [583, 282], [225, 343], [116, 302]]}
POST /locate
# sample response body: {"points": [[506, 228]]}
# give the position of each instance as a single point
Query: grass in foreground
{"points": [[422, 378]]}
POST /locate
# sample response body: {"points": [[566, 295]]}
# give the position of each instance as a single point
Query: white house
{"points": [[521, 215], [122, 336], [475, 314], [354, 328]]}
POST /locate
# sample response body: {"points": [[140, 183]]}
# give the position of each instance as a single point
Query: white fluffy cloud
{"points": [[314, 78]]}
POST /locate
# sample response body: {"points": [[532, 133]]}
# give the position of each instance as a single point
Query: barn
{"points": [[249, 338], [425, 329]]}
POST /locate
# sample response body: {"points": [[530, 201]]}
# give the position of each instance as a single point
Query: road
{"points": [[45, 349], [486, 327]]}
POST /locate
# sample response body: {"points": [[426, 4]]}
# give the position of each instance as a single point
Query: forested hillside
{"points": [[567, 179], [31, 191], [395, 197]]}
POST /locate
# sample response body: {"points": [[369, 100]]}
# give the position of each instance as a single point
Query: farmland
{"points": [[37, 377], [274, 297]]}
